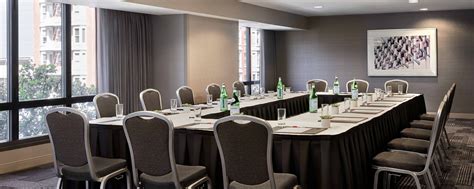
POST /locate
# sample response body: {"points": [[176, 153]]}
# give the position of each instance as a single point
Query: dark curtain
{"points": [[268, 66], [124, 55]]}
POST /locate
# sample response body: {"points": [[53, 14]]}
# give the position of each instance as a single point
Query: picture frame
{"points": [[402, 52]]}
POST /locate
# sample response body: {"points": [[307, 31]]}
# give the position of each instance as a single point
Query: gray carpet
{"points": [[459, 170]]}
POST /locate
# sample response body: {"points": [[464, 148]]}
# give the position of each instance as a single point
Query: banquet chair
{"points": [[245, 148], [151, 100], [214, 90], [69, 135], [154, 166], [408, 163], [320, 85], [185, 95], [394, 84], [105, 104], [363, 85], [239, 86]]}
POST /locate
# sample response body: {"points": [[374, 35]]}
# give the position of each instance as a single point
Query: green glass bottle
{"points": [[279, 89], [313, 100], [354, 90], [335, 86], [223, 98], [235, 105]]}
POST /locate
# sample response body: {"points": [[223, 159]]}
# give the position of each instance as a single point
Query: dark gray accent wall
{"points": [[268, 66], [337, 45]]}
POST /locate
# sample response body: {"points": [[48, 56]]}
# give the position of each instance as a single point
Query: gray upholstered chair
{"points": [[412, 164], [214, 90], [105, 104], [245, 147], [394, 84], [320, 85], [363, 85], [151, 100], [153, 166], [185, 95], [69, 136], [239, 86]]}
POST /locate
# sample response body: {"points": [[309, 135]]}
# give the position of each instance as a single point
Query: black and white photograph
{"points": [[402, 52]]}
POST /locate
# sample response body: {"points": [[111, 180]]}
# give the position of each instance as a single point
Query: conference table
{"points": [[335, 157]]}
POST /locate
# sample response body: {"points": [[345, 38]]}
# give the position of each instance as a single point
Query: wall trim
{"points": [[25, 163]]}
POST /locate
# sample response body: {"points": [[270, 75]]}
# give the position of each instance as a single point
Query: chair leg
{"points": [[417, 181], [129, 179], [427, 182], [376, 178], [87, 184], [447, 138], [436, 174], [430, 179], [60, 183]]}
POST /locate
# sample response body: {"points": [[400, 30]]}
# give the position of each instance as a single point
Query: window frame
{"points": [[248, 61], [13, 104]]}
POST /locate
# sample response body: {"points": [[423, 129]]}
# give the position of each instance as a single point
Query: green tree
{"points": [[38, 82]]}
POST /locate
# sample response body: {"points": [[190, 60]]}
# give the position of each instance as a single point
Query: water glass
{"points": [[288, 90], [377, 94], [389, 90], [347, 104], [174, 105], [325, 110], [239, 93], [365, 98], [119, 110], [400, 89], [330, 90], [209, 100], [197, 113], [281, 116]]}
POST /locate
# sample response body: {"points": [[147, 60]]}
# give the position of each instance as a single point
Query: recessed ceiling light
{"points": [[424, 9], [412, 1], [318, 7]]}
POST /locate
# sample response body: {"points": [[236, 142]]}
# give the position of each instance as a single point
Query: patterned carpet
{"points": [[459, 170]]}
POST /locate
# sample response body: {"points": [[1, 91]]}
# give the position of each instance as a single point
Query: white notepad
{"points": [[293, 130]]}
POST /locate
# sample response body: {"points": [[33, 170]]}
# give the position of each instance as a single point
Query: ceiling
{"points": [[349, 7], [121, 5]]}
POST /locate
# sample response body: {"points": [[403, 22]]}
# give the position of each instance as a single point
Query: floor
{"points": [[459, 175]]}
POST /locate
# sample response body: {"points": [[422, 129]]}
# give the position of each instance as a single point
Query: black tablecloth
{"points": [[322, 161]]}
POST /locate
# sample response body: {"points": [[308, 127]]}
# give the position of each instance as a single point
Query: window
{"points": [[84, 64], [35, 69], [249, 66], [87, 107], [76, 35]]}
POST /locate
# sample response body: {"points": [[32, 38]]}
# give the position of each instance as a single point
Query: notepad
{"points": [[293, 130], [347, 119], [365, 111], [380, 105]]}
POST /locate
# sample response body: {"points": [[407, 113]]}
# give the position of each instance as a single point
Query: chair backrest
{"points": [[320, 85], [245, 148], [142, 129], [436, 131], [239, 86], [362, 85], [69, 135], [105, 104], [394, 84], [214, 90], [151, 100], [185, 95]]}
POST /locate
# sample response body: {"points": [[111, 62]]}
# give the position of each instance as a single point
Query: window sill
{"points": [[12, 145]]}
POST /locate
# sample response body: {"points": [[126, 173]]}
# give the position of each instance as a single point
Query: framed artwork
{"points": [[402, 52]]}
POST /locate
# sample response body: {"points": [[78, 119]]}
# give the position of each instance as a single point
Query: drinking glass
{"points": [[325, 110], [400, 89], [197, 113], [364, 98], [347, 104], [288, 90], [209, 99], [174, 105], [239, 93], [119, 110], [330, 90], [389, 90], [281, 116], [377, 94]]}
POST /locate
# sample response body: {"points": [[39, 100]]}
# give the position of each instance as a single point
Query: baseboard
{"points": [[25, 158], [459, 115]]}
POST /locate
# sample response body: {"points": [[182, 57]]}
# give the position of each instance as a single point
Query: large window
{"points": [[250, 58], [39, 69]]}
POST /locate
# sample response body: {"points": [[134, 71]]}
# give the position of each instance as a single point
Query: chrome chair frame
{"points": [[174, 172], [397, 80], [179, 97], [317, 80], [92, 169], [100, 95], [212, 84], [143, 100], [358, 80]]}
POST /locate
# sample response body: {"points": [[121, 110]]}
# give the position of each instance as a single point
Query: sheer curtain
{"points": [[124, 55]]}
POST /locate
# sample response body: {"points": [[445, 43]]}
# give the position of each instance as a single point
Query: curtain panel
{"points": [[124, 55]]}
